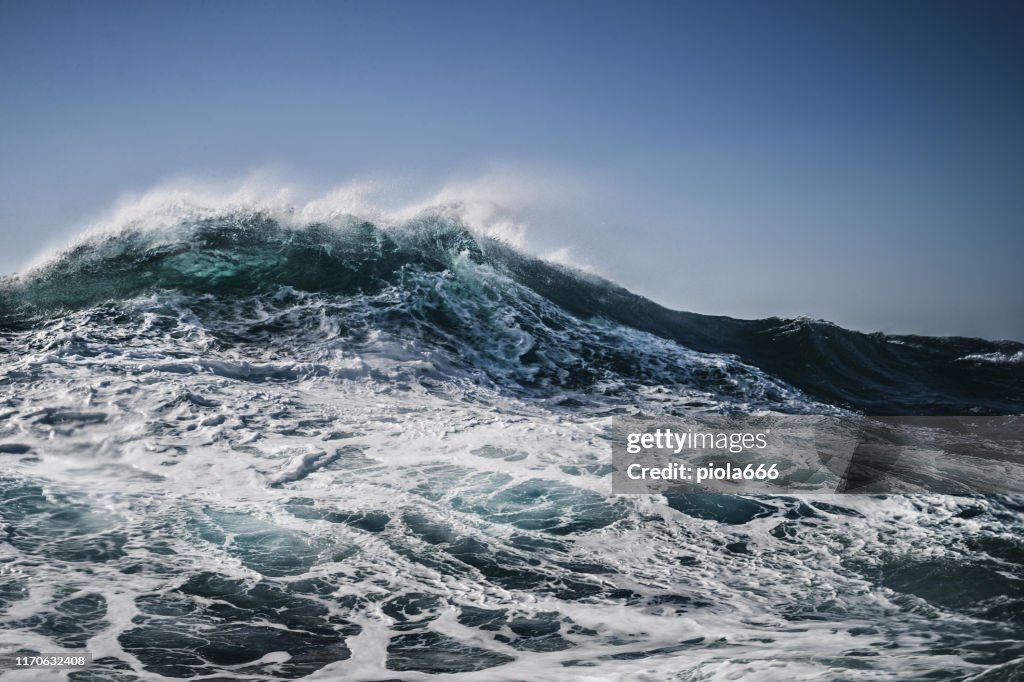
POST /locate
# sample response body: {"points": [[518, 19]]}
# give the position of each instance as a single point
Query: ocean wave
{"points": [[243, 446], [448, 283]]}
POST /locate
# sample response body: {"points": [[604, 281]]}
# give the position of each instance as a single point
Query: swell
{"points": [[251, 253], [875, 373]]}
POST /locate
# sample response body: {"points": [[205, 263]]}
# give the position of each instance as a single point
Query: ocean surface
{"points": [[240, 447]]}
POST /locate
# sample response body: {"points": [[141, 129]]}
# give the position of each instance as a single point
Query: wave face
{"points": [[245, 448], [438, 279]]}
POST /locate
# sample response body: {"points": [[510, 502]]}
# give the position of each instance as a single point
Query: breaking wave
{"points": [[436, 279], [245, 446]]}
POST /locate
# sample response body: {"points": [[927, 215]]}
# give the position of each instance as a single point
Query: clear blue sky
{"points": [[857, 161]]}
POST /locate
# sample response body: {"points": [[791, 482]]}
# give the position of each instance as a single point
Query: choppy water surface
{"points": [[240, 450]]}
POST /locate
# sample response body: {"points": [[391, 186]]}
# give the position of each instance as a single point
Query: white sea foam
{"points": [[996, 358], [392, 494]]}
